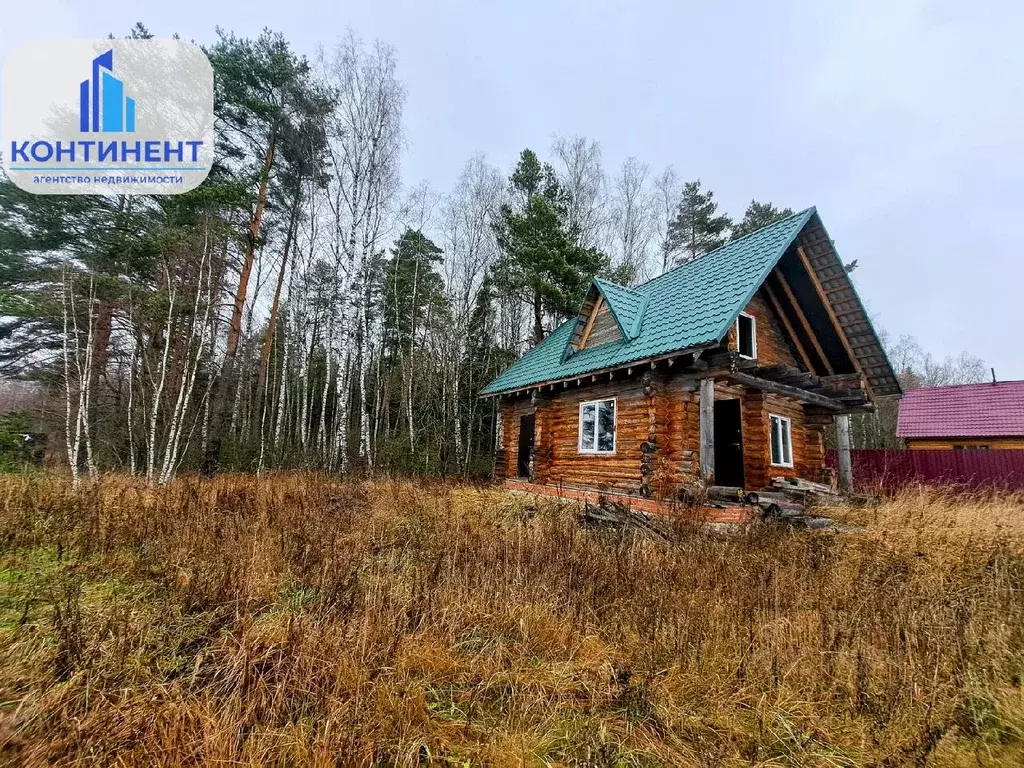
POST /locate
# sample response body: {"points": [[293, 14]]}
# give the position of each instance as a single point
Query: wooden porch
{"points": [[821, 399]]}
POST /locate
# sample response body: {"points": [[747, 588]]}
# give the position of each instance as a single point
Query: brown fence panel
{"points": [[891, 470]]}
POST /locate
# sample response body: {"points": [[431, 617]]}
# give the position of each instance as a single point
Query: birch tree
{"points": [[633, 217], [668, 190], [471, 248], [582, 180], [365, 143], [78, 376]]}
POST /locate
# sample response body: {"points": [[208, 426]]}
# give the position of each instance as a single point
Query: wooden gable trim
{"points": [[791, 297], [590, 320], [774, 301], [832, 316], [849, 310]]}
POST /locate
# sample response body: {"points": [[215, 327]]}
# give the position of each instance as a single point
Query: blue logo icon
{"points": [[111, 111]]}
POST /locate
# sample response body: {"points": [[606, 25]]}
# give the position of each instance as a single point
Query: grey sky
{"points": [[902, 121]]}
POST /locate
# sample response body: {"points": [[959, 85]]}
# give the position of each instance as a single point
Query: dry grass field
{"points": [[295, 619]]}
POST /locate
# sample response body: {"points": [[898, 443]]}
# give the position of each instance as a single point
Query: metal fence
{"points": [[892, 470]]}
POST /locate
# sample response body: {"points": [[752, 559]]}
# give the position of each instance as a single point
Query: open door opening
{"points": [[526, 424], [728, 443]]}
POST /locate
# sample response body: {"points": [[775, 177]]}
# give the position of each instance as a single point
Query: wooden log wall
{"points": [[772, 346], [657, 434], [605, 328], [507, 457], [807, 435], [562, 461], [756, 445], [677, 432], [944, 444]]}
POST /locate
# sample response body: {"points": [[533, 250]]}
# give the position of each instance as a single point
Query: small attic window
{"points": [[746, 335]]}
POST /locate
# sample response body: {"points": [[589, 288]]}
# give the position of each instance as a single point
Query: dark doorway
{"points": [[728, 443], [525, 444]]}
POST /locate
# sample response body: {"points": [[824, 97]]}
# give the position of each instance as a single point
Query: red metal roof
{"points": [[967, 410]]}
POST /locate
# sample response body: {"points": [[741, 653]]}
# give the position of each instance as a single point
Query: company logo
{"points": [[110, 110], [148, 129]]}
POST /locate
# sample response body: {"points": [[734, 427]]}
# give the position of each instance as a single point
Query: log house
{"points": [[724, 370]]}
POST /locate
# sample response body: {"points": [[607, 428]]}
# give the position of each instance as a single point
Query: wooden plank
{"points": [[590, 321], [803, 321], [832, 315], [604, 328], [850, 313], [788, 326], [707, 430]]}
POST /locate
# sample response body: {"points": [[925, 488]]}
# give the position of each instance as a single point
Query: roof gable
{"points": [[842, 320], [687, 308], [967, 410], [606, 302], [626, 305]]}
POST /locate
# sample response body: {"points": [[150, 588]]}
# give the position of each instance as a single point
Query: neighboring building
{"points": [[723, 370], [964, 417]]}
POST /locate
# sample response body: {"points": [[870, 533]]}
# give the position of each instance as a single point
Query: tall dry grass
{"points": [[295, 619]]}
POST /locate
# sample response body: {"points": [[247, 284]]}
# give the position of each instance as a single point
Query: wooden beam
{"points": [[831, 313], [788, 326], [789, 391], [850, 380], [843, 443], [803, 321], [707, 430], [590, 321]]}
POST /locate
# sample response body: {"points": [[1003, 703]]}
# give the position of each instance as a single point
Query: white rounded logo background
{"points": [[45, 151]]}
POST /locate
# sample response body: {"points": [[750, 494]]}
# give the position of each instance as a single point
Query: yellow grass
{"points": [[297, 619]]}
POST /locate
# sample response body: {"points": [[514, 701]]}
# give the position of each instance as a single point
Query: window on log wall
{"points": [[597, 426], [782, 441], [746, 335]]}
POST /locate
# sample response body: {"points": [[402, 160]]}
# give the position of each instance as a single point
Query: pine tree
{"points": [[759, 215], [412, 286], [696, 229], [264, 94], [541, 263]]}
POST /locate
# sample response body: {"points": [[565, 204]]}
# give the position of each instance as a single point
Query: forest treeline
{"points": [[305, 308]]}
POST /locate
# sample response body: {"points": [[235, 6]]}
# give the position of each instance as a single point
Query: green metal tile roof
{"points": [[687, 307], [626, 304]]}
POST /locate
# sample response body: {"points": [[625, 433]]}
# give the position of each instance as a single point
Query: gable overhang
{"points": [[832, 327], [825, 289]]}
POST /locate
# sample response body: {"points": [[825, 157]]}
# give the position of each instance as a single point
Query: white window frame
{"points": [[753, 336], [615, 427], [787, 447]]}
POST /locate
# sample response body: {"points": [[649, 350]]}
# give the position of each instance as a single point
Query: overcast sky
{"points": [[901, 120]]}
